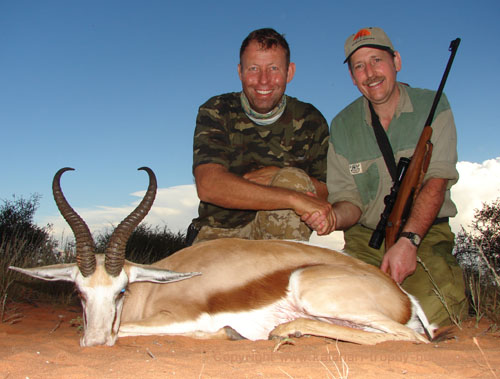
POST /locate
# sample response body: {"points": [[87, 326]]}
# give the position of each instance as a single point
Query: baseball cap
{"points": [[370, 37]]}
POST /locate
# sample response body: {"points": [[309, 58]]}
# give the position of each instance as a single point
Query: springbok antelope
{"points": [[249, 289]]}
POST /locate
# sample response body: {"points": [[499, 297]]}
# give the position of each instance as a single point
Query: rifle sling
{"points": [[383, 144]]}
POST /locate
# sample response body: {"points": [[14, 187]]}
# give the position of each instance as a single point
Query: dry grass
{"points": [[455, 319], [474, 339]]}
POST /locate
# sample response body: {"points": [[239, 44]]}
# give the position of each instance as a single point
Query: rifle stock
{"points": [[410, 187]]}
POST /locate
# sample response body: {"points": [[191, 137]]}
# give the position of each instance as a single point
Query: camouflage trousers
{"points": [[276, 224], [437, 279]]}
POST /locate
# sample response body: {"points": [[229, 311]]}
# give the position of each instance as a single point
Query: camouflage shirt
{"points": [[225, 135]]}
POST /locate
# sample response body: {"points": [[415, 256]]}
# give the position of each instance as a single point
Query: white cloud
{"points": [[177, 206], [478, 183], [174, 207]]}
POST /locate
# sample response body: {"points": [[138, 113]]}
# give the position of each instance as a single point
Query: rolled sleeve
{"points": [[444, 154]]}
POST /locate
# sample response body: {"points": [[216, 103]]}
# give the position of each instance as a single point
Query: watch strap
{"points": [[414, 238]]}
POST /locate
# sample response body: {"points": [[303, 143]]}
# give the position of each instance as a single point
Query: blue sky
{"points": [[110, 86]]}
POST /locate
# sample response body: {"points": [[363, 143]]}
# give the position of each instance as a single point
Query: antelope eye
{"points": [[120, 294]]}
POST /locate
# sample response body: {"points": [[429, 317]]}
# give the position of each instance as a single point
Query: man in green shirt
{"points": [[259, 156], [359, 179]]}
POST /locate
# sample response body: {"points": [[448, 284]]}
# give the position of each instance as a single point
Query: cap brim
{"points": [[381, 47]]}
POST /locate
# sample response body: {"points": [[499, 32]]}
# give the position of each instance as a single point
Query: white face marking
{"points": [[102, 301]]}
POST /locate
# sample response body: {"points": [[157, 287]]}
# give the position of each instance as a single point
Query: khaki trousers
{"points": [[435, 252]]}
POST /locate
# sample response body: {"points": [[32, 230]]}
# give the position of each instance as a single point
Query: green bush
{"points": [[16, 220], [24, 244], [147, 244], [478, 252]]}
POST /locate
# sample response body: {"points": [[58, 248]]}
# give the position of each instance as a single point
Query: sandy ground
{"points": [[43, 343]]}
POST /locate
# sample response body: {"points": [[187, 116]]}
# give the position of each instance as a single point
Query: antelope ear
{"points": [[66, 272], [143, 273]]}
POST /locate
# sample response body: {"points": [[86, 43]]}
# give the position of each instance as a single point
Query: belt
{"points": [[441, 220], [437, 221]]}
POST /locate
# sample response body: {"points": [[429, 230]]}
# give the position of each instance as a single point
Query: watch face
{"points": [[413, 237]]}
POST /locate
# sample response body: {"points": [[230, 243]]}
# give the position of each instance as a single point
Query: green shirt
{"points": [[357, 172], [225, 135]]}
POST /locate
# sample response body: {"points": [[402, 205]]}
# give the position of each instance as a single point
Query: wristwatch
{"points": [[414, 238]]}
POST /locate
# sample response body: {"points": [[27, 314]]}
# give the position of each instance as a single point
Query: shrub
{"points": [[23, 244], [478, 252], [147, 244], [16, 219]]}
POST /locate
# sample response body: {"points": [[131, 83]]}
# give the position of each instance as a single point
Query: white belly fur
{"points": [[253, 325]]}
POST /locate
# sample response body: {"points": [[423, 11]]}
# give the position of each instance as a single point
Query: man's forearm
{"points": [[346, 215], [426, 206], [218, 186]]}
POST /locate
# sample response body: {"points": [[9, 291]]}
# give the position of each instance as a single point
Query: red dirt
{"points": [[43, 344]]}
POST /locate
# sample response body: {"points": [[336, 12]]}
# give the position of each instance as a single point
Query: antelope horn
{"points": [[115, 250], [85, 247]]}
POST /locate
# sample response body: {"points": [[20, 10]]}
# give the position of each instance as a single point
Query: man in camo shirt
{"points": [[259, 156]]}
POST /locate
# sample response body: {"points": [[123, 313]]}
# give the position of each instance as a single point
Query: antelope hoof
{"points": [[280, 341], [284, 331]]}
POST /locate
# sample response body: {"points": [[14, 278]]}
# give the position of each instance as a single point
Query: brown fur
{"points": [[253, 295]]}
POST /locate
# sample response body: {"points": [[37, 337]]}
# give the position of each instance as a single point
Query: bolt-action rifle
{"points": [[410, 175]]}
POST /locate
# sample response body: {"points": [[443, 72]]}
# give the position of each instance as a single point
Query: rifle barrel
{"points": [[453, 48]]}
